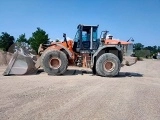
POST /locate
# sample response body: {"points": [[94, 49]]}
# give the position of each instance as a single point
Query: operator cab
{"points": [[86, 38]]}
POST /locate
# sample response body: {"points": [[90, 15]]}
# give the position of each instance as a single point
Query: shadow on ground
{"points": [[129, 74], [71, 72]]}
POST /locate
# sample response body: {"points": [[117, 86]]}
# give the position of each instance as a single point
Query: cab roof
{"points": [[87, 25]]}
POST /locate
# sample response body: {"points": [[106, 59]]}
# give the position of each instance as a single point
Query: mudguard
{"points": [[100, 49]]}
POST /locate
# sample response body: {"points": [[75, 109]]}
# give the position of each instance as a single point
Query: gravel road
{"points": [[133, 95]]}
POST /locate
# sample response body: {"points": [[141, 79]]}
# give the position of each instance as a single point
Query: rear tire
{"points": [[108, 65], [54, 62]]}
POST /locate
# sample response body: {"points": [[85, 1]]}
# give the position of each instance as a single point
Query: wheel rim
{"points": [[55, 63], [109, 66]]}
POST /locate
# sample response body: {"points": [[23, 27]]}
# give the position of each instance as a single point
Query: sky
{"points": [[139, 19]]}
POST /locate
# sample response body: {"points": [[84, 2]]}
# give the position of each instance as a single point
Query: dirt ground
{"points": [[133, 95]]}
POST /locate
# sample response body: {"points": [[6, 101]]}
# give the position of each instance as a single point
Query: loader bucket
{"points": [[20, 64]]}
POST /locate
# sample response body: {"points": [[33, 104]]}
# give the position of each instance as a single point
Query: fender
{"points": [[102, 48], [56, 46], [69, 53], [52, 46]]}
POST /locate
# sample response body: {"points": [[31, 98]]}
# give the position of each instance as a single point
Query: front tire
{"points": [[54, 62], [108, 65]]}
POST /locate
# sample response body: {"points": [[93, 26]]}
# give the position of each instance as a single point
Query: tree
{"points": [[22, 38], [158, 49], [138, 46], [57, 40], [153, 49], [22, 41], [38, 37], [6, 40], [142, 53]]}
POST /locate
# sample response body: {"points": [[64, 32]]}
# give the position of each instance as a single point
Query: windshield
{"points": [[85, 36], [76, 36]]}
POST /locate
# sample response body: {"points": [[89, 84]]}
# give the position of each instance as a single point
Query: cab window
{"points": [[94, 34], [76, 36]]}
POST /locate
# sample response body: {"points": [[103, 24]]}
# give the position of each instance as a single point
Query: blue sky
{"points": [[123, 19]]}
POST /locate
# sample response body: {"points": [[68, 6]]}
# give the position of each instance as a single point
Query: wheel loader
{"points": [[105, 56]]}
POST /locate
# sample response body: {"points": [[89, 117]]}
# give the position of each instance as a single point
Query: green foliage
{"points": [[38, 37], [142, 53], [147, 52], [22, 38], [138, 46], [22, 41], [57, 40], [6, 40], [153, 49], [158, 48]]}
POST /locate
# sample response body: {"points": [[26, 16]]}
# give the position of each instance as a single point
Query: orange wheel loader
{"points": [[105, 56]]}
